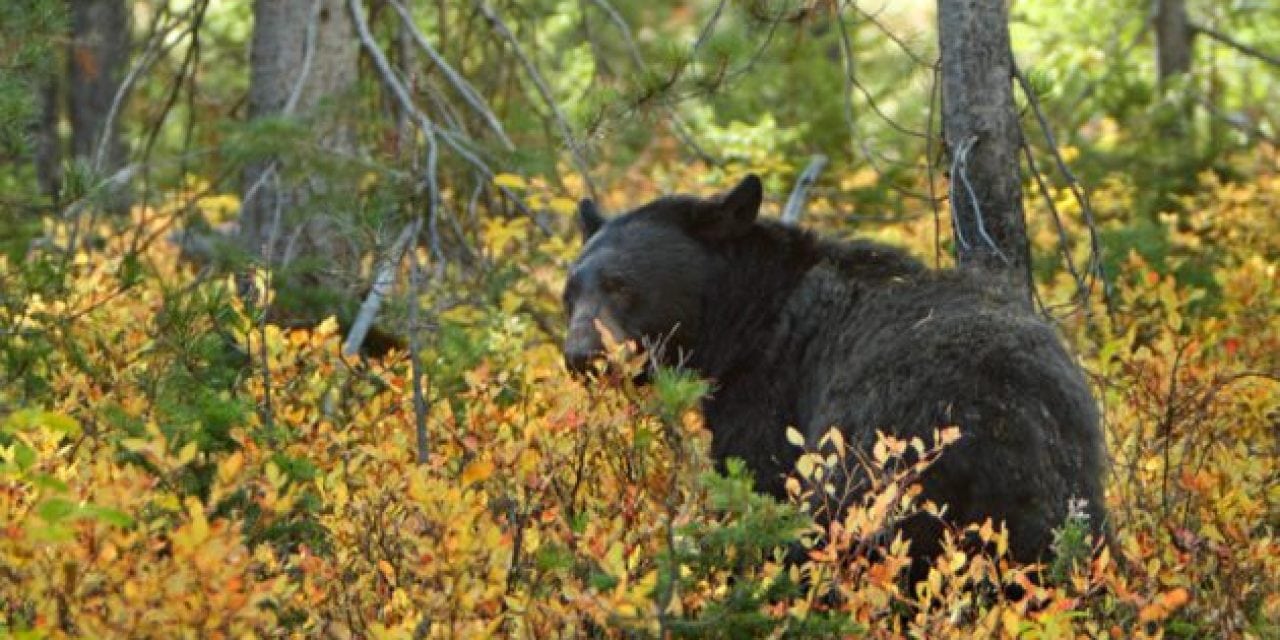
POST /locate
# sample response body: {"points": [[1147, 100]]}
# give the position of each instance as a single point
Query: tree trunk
{"points": [[292, 73], [99, 54], [46, 143], [983, 137], [1173, 39]]}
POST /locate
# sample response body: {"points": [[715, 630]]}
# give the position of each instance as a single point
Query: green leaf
{"points": [[29, 419], [46, 481], [55, 510], [110, 516], [23, 455]]}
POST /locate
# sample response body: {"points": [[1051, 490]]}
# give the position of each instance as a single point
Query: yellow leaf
{"points": [[510, 181], [563, 206], [230, 467], [477, 471], [188, 453], [647, 583], [327, 327], [949, 435], [387, 572], [199, 524], [794, 437]]}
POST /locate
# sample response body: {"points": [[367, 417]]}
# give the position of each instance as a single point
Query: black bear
{"points": [[794, 330]]}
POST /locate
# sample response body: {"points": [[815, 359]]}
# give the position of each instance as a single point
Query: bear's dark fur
{"points": [[794, 330]]}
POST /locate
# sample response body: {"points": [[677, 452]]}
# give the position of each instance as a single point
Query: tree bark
{"points": [[99, 55], [46, 143], [1173, 39], [983, 137], [303, 52]]}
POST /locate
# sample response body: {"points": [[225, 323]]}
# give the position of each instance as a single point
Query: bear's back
{"points": [[912, 352]]}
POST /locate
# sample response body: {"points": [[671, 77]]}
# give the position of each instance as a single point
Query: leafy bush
{"points": [[168, 464]]}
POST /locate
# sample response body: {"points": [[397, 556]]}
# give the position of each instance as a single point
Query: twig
{"points": [[425, 124], [1064, 246], [800, 194], [678, 126], [566, 132], [892, 36], [420, 407], [1240, 124], [707, 29], [469, 94], [1095, 267], [154, 50], [1246, 49], [389, 76], [308, 56], [381, 287], [850, 82]]}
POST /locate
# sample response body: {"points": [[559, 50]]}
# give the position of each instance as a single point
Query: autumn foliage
{"points": [[172, 466]]}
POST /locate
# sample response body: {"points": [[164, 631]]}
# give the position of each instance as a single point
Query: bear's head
{"points": [[643, 276]]}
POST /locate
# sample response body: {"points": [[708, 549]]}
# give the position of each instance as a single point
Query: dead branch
{"points": [[800, 194], [870, 17], [392, 80], [1248, 50], [420, 407], [1237, 122], [566, 132], [158, 45], [678, 126], [382, 283], [1094, 268], [468, 93]]}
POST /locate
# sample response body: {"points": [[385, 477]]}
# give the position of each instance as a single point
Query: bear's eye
{"points": [[612, 284]]}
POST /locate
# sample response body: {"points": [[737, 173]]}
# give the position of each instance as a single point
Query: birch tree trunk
{"points": [[303, 57], [983, 137]]}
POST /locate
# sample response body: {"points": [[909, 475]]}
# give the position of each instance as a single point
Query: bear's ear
{"points": [[589, 218], [734, 212]]}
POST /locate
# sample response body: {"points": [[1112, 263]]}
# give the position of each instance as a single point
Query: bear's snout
{"points": [[580, 360], [582, 346]]}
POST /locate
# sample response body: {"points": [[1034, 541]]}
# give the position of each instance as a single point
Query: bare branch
{"points": [[1064, 244], [156, 47], [870, 17], [678, 126], [850, 83], [1236, 121], [469, 94], [381, 288], [800, 195], [428, 128], [566, 132], [707, 29], [1248, 50], [397, 87], [1094, 268], [420, 407]]}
